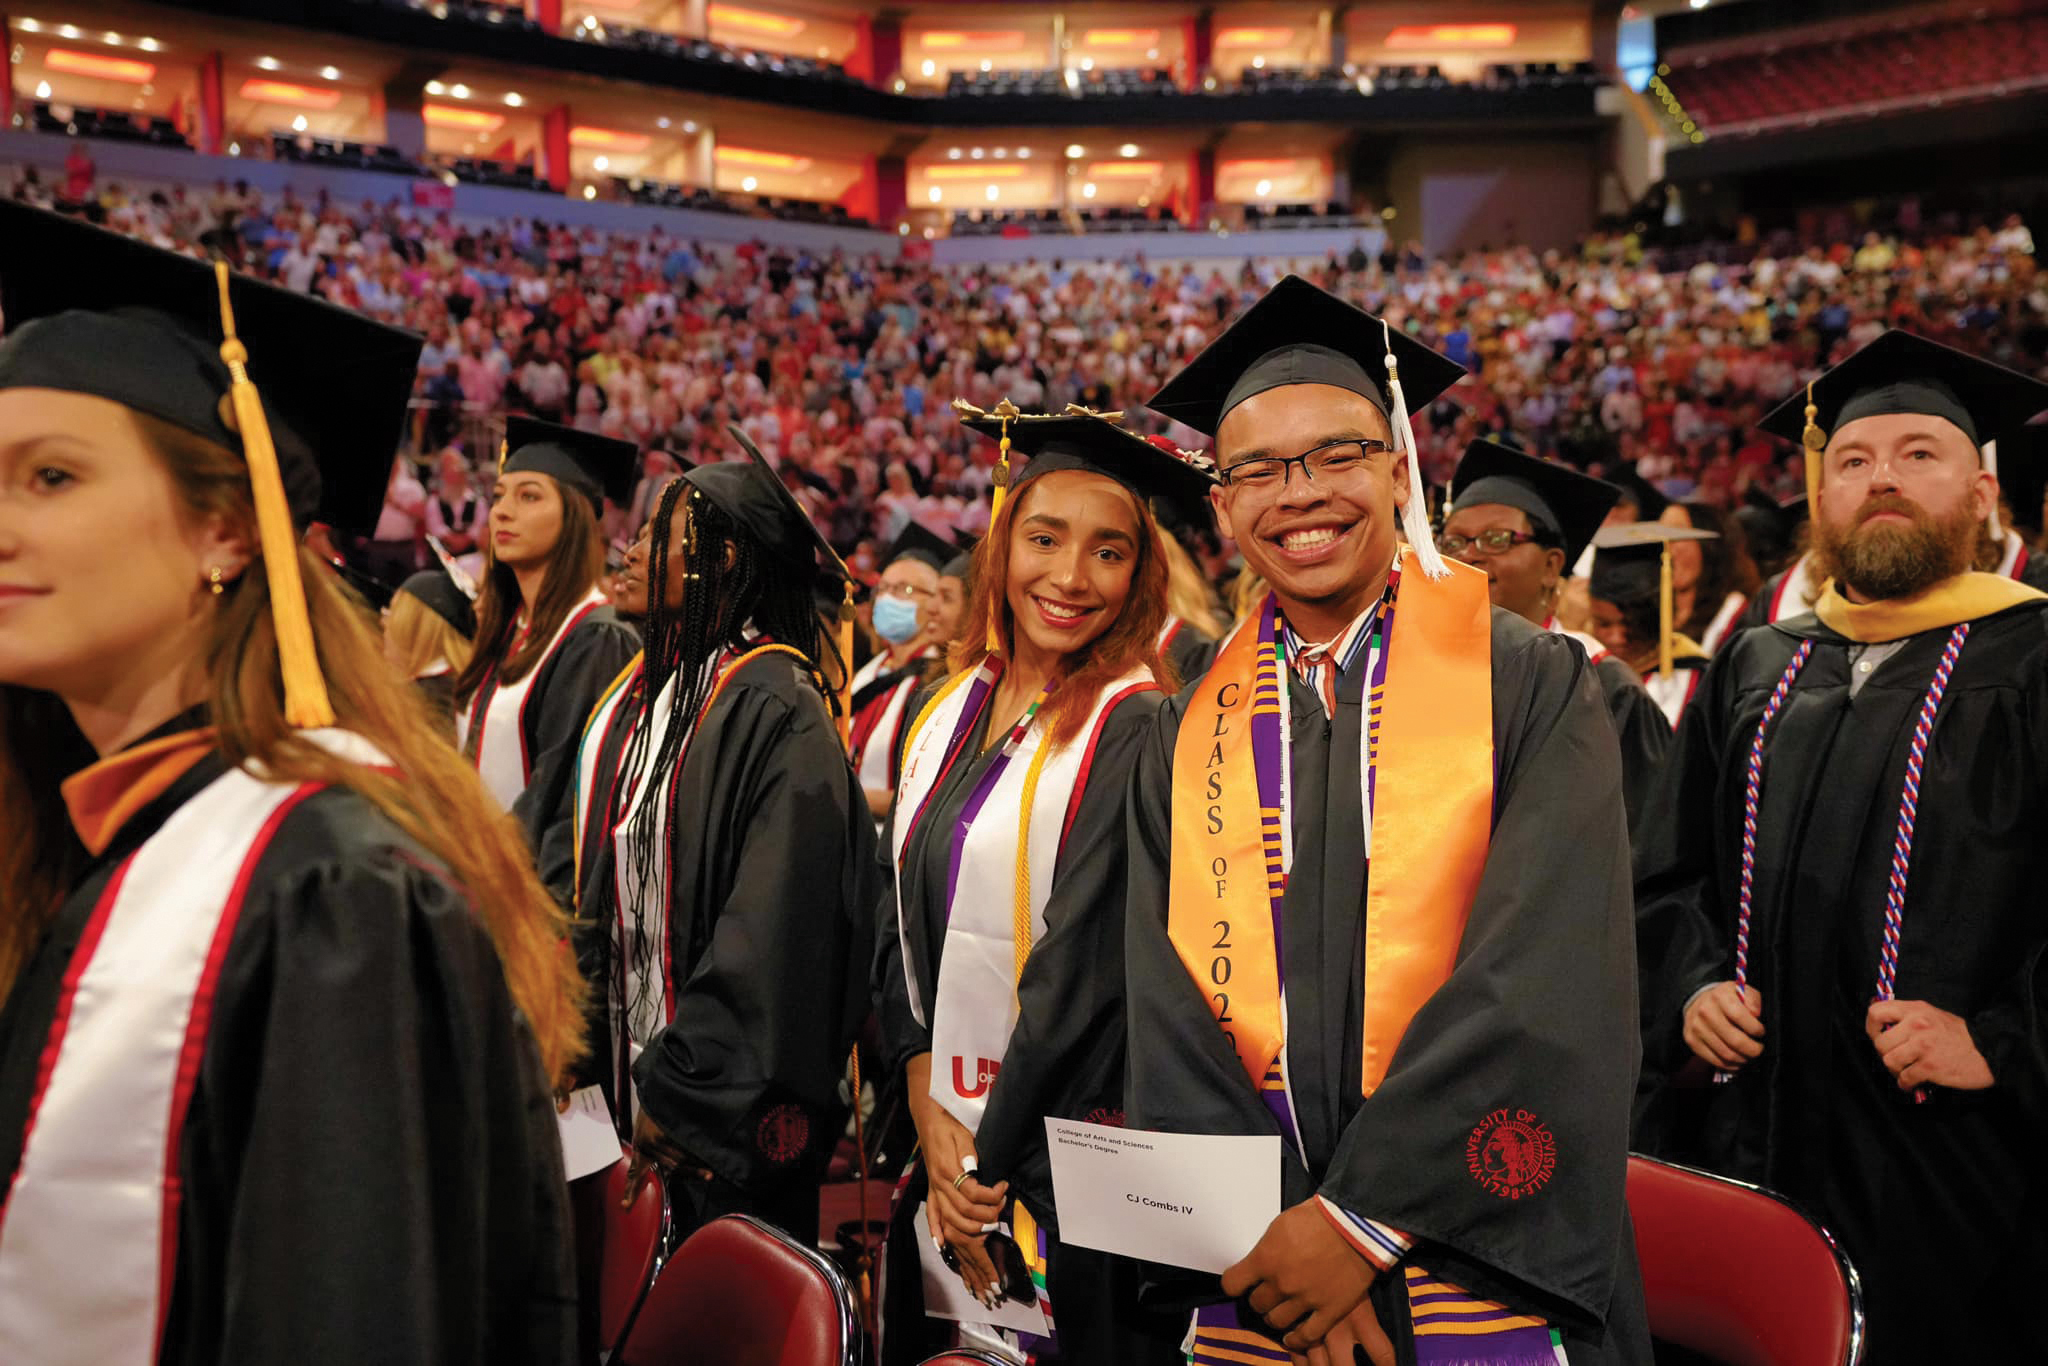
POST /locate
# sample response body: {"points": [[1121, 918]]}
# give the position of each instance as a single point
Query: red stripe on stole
{"points": [[533, 677], [88, 944], [1088, 757], [197, 1026]]}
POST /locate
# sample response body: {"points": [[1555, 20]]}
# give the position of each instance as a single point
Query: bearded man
{"points": [[1839, 887]]}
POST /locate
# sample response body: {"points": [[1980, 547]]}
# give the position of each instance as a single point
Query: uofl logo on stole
{"points": [[984, 1075], [1511, 1153]]}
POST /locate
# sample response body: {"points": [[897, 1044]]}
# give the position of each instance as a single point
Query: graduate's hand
{"points": [[1724, 1025], [977, 1270], [1356, 1341], [652, 1147], [967, 1206], [1302, 1276], [1924, 1045]]}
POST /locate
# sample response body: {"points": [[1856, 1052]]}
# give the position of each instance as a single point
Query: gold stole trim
{"points": [[1966, 597]]}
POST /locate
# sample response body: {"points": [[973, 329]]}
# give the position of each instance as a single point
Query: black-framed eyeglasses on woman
{"points": [[1324, 464], [1494, 542]]}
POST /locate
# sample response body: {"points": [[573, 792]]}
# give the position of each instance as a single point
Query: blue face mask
{"points": [[895, 619]]}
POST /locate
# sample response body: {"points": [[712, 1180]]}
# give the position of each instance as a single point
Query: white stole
{"points": [[881, 741], [976, 1005], [501, 757], [88, 1234]]}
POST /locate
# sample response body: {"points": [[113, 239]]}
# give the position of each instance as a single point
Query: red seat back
{"points": [[632, 1243], [740, 1292], [1739, 1274], [964, 1356]]}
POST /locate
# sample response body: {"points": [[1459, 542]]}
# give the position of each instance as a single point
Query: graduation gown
{"points": [[1943, 1194], [1639, 726], [369, 1162], [883, 710], [1188, 649], [559, 692], [1538, 1014], [1065, 1057], [770, 871]]}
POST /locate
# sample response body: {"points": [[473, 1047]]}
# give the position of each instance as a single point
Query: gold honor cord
{"points": [[1665, 611], [306, 705]]}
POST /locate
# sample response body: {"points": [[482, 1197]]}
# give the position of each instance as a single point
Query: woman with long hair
{"points": [[429, 627], [1001, 980], [283, 1001], [1629, 617], [1712, 577], [726, 859], [547, 643]]}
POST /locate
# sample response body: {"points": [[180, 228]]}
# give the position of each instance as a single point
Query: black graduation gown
{"points": [[1065, 1058], [1191, 653], [1943, 1194], [370, 1164], [566, 688], [771, 872], [1640, 729], [1538, 1014], [875, 696]]}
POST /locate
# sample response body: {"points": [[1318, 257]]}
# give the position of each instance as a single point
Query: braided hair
{"points": [[730, 583]]}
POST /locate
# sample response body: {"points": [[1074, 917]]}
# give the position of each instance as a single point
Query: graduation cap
{"points": [[1299, 334], [598, 467], [1904, 373], [1555, 497], [1633, 561], [92, 312], [1650, 501], [919, 542], [442, 596], [375, 592], [1079, 439]]}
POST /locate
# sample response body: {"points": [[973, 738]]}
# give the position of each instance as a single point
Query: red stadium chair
{"points": [[740, 1292], [964, 1356], [1737, 1273], [632, 1253]]}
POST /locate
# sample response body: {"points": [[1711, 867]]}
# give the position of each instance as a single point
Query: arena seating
{"points": [[487, 12], [361, 156], [114, 124], [1048, 81], [708, 1305], [665, 44], [1847, 76]]}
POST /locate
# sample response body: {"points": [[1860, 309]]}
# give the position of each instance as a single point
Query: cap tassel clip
{"points": [[1813, 440], [306, 704], [1414, 516], [1003, 412]]}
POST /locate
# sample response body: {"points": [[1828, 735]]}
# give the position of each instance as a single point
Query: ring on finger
{"points": [[961, 1180]]}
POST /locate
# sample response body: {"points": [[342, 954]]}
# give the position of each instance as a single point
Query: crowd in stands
{"points": [[845, 368]]}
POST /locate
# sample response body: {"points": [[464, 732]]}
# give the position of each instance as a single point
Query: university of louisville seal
{"points": [[783, 1134], [1511, 1153]]}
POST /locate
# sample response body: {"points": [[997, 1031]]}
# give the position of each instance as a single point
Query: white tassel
{"points": [[1990, 453], [1414, 517]]}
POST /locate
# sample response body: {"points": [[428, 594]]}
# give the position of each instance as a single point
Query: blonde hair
{"points": [[1188, 595], [431, 794], [417, 638]]}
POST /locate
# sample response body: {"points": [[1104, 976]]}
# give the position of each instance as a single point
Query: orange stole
{"points": [[1432, 820]]}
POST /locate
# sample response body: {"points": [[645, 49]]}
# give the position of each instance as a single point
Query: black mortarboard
{"points": [[1649, 500], [1568, 504], [1300, 334], [749, 492], [440, 595], [1630, 563], [965, 540], [918, 542], [598, 467], [1095, 443], [375, 592], [93, 312]]}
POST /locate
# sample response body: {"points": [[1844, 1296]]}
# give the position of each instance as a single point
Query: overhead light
{"points": [[754, 21], [903, 229], [1700, 4], [234, 149], [1072, 79], [1010, 172], [771, 161], [264, 63], [1255, 37], [1263, 188], [661, 122], [1000, 153], [933, 194], [436, 88], [330, 73], [1270, 167], [991, 193], [1125, 170], [1120, 37], [67, 31], [1258, 63], [977, 154], [1129, 149], [1088, 190], [111, 38], [608, 138], [602, 163], [1453, 35], [1075, 149], [987, 65], [748, 184], [689, 125], [1023, 154], [515, 99], [1087, 63], [590, 191], [930, 233], [952, 154], [29, 26], [929, 67], [460, 92], [299, 123], [451, 116], [123, 69], [1004, 40], [146, 44], [42, 90], [284, 92]]}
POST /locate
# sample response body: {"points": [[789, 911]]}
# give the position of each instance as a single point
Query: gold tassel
{"points": [[1814, 440], [306, 705], [504, 450], [1664, 612], [846, 672]]}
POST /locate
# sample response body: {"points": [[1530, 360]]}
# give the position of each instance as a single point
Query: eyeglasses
{"points": [[1326, 464], [1495, 542], [901, 590]]}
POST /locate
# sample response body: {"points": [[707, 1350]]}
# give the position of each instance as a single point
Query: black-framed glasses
{"points": [[1325, 464], [1496, 542]]}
